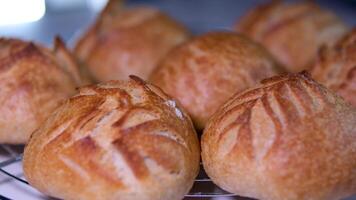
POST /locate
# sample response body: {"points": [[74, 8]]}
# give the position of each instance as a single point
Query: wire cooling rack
{"points": [[14, 186]]}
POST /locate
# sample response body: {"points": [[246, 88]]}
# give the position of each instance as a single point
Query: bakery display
{"points": [[336, 67], [125, 41], [205, 71], [116, 140], [264, 134], [34, 80], [288, 138], [292, 32]]}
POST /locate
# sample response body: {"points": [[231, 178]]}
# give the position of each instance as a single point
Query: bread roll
{"points": [[34, 80], [293, 33], [289, 138], [205, 71], [117, 140], [128, 41], [336, 67]]}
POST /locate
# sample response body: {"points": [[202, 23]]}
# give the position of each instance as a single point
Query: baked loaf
{"points": [[292, 33], [34, 80], [119, 140], [127, 41], [204, 72], [289, 138], [336, 67]]}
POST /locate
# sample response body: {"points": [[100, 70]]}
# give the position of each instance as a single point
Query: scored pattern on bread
{"points": [[121, 133], [280, 99], [34, 80], [289, 138], [127, 120]]}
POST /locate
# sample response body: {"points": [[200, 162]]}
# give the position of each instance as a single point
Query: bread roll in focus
{"points": [[121, 140], [205, 71], [292, 32], [288, 138], [34, 80], [336, 67], [126, 41]]}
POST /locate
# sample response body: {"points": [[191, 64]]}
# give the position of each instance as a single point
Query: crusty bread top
{"points": [[33, 81], [125, 41], [204, 72], [122, 139], [292, 32], [286, 100], [289, 138], [13, 51], [336, 67]]}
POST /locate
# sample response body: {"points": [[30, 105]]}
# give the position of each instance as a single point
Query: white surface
{"points": [[21, 11]]}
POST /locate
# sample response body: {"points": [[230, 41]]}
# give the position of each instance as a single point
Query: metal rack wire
{"points": [[11, 157]]}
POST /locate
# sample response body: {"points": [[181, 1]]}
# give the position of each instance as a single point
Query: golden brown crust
{"points": [[336, 67], [68, 62], [116, 140], [293, 33], [128, 41], [33, 80], [289, 138], [206, 71]]}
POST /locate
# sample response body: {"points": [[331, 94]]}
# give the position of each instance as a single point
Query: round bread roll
{"points": [[119, 140], [336, 67], [292, 33], [123, 41], [204, 72], [289, 138], [34, 80]]}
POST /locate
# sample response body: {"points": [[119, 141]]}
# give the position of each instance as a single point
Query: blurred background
{"points": [[41, 20]]}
